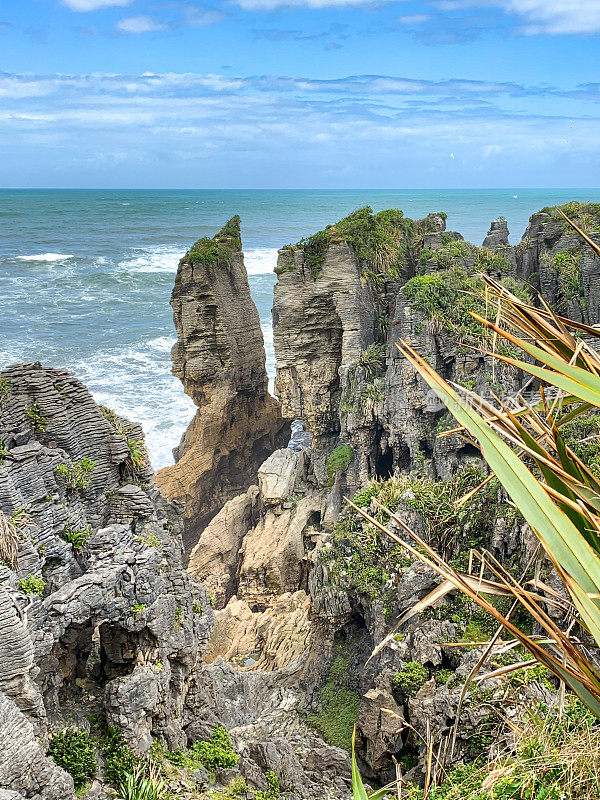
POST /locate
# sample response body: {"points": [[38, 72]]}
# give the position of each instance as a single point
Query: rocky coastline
{"points": [[235, 589]]}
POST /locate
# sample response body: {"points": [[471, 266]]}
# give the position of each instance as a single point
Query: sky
{"points": [[300, 93]]}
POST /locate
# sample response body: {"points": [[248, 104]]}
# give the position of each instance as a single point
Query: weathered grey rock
{"points": [[220, 358], [119, 626], [574, 286]]}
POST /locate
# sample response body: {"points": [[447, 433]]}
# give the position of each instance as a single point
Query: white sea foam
{"points": [[154, 259], [137, 383], [45, 257], [260, 261]]}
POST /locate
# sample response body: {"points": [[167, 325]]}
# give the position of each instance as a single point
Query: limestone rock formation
{"points": [[219, 357], [96, 614], [555, 260]]}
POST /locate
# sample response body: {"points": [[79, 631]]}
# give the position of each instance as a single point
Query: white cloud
{"points": [[540, 16], [414, 19], [268, 5], [140, 24], [557, 16], [94, 5], [212, 129]]}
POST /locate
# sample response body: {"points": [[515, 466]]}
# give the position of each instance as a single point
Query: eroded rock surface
{"points": [[96, 613], [220, 359]]}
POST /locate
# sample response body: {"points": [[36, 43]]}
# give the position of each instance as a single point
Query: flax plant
{"points": [[557, 494]]}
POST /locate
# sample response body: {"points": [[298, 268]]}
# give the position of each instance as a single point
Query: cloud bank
{"points": [[190, 129]]}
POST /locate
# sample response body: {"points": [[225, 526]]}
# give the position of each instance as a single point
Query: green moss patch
{"points": [[339, 704], [338, 461]]}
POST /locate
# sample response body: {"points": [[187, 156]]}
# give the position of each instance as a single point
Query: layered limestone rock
{"points": [[220, 359], [96, 613], [338, 314], [554, 259]]}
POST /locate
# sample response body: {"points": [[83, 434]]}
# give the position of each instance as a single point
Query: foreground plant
{"points": [[555, 491], [143, 784]]}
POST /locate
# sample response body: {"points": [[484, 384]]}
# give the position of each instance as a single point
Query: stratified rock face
{"points": [[96, 614], [318, 325], [339, 310], [497, 236], [220, 358], [553, 257]]}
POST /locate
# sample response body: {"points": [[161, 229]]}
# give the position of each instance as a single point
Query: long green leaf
{"points": [[358, 789], [554, 528]]}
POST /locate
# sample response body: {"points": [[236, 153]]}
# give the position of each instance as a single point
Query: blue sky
{"points": [[300, 94]]}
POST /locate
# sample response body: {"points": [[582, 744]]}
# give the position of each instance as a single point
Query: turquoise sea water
{"points": [[86, 276]]}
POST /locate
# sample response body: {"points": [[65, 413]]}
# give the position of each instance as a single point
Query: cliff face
{"points": [[337, 316], [557, 262], [96, 614], [219, 357], [303, 590]]}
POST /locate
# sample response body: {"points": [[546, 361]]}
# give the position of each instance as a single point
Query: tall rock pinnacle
{"points": [[220, 359]]}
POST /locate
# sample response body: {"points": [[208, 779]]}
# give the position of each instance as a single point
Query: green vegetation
{"points": [[138, 457], [378, 240], [489, 261], [74, 750], [32, 584], [338, 461], [582, 435], [38, 422], [220, 248], [76, 536], [410, 679], [445, 298], [585, 215], [367, 367], [553, 758], [78, 475], [371, 361], [138, 608], [217, 752], [119, 759], [137, 785], [273, 789], [567, 267], [360, 556], [452, 254], [4, 389], [149, 540], [339, 703]]}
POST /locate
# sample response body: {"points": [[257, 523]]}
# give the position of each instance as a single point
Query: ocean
{"points": [[86, 275]]}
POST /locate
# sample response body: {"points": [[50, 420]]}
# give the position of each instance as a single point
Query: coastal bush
{"points": [[76, 536], [448, 297], [379, 241], [78, 475], [38, 421], [339, 461], [119, 759], [582, 435], [217, 752], [553, 488], [32, 584], [273, 789], [567, 267], [139, 786], [74, 750], [138, 457]]}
